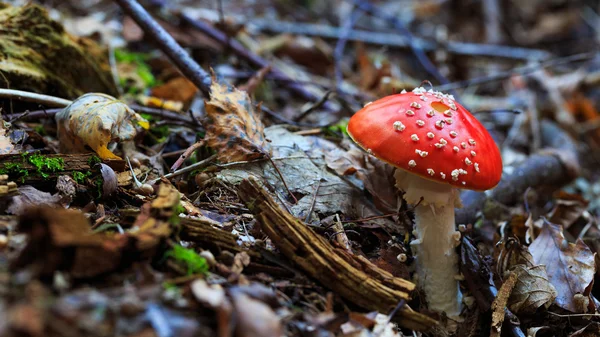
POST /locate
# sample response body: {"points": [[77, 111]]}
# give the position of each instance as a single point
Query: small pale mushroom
{"points": [[450, 148]]}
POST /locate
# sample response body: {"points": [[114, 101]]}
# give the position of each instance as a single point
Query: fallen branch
{"points": [[554, 167], [352, 277], [26, 96], [395, 40], [168, 45]]}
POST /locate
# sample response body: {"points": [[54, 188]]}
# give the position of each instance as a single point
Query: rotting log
{"points": [[353, 278], [22, 171]]}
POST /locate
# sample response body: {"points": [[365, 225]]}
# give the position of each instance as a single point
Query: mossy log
{"points": [[38, 168], [37, 55]]}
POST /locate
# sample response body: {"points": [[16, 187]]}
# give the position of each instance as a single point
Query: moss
{"points": [[45, 165], [15, 169], [94, 160], [80, 177], [142, 70], [338, 128], [189, 259], [177, 209]]}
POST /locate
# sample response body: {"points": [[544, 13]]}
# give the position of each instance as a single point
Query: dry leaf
{"points": [[178, 89], [254, 318], [95, 120], [570, 267], [233, 128], [568, 208], [6, 146], [532, 290]]}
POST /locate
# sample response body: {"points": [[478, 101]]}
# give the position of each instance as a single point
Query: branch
{"points": [[352, 277], [395, 40], [32, 97], [168, 45]]}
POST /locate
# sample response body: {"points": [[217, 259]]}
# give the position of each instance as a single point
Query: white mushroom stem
{"points": [[436, 240]]}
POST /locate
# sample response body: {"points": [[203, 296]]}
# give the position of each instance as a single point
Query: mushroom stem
{"points": [[437, 261], [436, 240]]}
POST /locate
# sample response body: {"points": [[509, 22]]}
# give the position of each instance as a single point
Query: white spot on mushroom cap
{"points": [[463, 145], [414, 137], [448, 113], [421, 153], [476, 167], [456, 149], [430, 171], [412, 163], [472, 142], [439, 124], [410, 113], [443, 175], [420, 122], [468, 161], [453, 134], [430, 135], [473, 153], [398, 126], [415, 105], [367, 104], [403, 91]]}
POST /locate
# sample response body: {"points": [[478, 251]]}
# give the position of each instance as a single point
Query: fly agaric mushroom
{"points": [[437, 147]]}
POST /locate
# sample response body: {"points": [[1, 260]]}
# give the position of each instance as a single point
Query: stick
{"points": [[395, 40], [27, 96], [168, 45]]}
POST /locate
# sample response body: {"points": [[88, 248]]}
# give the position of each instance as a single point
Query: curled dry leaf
{"points": [[568, 208], [233, 127], [95, 120], [570, 267], [532, 290]]}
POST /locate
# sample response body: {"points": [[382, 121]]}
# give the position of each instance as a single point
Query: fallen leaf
{"points": [[178, 89], [254, 318], [30, 196], [568, 208], [570, 267], [233, 128], [532, 290], [591, 330], [6, 146], [95, 120], [211, 295]]}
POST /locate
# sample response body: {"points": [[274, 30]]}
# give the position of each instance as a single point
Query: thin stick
{"points": [[338, 53], [282, 180], [168, 45], [195, 166], [396, 40], [32, 97], [185, 155]]}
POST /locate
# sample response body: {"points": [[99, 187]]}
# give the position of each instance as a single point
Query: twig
{"points": [[312, 204], [395, 40], [314, 107], [281, 178], [338, 53], [32, 97], [168, 45], [185, 155], [416, 48], [519, 70], [250, 57], [195, 166]]}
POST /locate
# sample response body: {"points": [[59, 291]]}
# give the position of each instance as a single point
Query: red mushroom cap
{"points": [[429, 134]]}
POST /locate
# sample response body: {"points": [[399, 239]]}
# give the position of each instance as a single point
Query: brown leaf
{"points": [[570, 267], [568, 208], [233, 127], [30, 196], [532, 290], [254, 318], [95, 120], [178, 89]]}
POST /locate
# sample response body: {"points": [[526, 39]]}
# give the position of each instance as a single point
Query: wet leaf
{"points": [[570, 267], [532, 290], [233, 128], [95, 120]]}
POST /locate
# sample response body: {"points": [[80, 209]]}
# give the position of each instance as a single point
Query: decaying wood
{"points": [[202, 232], [354, 278], [72, 163]]}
